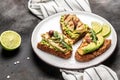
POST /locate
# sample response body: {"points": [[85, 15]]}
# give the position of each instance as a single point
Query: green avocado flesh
{"points": [[93, 46]]}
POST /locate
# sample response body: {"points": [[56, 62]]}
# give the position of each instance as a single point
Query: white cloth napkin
{"points": [[100, 72], [45, 8]]}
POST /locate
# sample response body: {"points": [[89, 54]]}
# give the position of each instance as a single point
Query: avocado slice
{"points": [[93, 45]]}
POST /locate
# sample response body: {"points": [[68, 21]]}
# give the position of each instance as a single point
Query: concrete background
{"points": [[14, 15]]}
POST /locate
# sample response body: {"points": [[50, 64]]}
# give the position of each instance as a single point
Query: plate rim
{"points": [[74, 13]]}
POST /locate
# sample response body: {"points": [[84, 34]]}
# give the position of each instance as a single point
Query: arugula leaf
{"points": [[66, 45], [93, 35], [60, 39]]}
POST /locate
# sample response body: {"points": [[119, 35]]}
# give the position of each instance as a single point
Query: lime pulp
{"points": [[10, 40], [96, 26], [106, 30]]}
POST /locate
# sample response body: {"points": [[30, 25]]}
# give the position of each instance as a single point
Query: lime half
{"points": [[106, 30], [10, 40], [96, 26]]}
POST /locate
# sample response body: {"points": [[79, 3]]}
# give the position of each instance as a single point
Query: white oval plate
{"points": [[52, 23]]}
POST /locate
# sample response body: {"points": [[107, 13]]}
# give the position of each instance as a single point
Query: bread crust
{"points": [[54, 52], [90, 56]]}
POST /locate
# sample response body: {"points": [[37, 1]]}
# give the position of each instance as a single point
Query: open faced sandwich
{"points": [[72, 27], [56, 43], [60, 44], [92, 46]]}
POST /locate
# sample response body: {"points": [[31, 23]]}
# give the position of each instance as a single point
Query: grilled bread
{"points": [[72, 27], [56, 43], [92, 46], [94, 54]]}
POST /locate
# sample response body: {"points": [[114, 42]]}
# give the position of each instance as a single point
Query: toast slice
{"points": [[90, 49], [56, 43], [72, 27]]}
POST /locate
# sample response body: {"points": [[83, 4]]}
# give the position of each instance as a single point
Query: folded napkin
{"points": [[100, 72], [45, 8]]}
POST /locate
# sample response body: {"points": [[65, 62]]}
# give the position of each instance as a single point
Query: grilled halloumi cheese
{"points": [[72, 27], [56, 43]]}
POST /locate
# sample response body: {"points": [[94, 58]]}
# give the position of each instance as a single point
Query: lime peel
{"points": [[102, 29], [106, 30]]}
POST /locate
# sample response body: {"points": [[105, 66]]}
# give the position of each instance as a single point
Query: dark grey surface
{"points": [[14, 15]]}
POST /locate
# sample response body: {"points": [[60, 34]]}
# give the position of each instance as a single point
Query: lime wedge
{"points": [[10, 40], [96, 26], [106, 30]]}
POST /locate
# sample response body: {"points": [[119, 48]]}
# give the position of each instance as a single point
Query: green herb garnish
{"points": [[93, 35], [59, 38]]}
